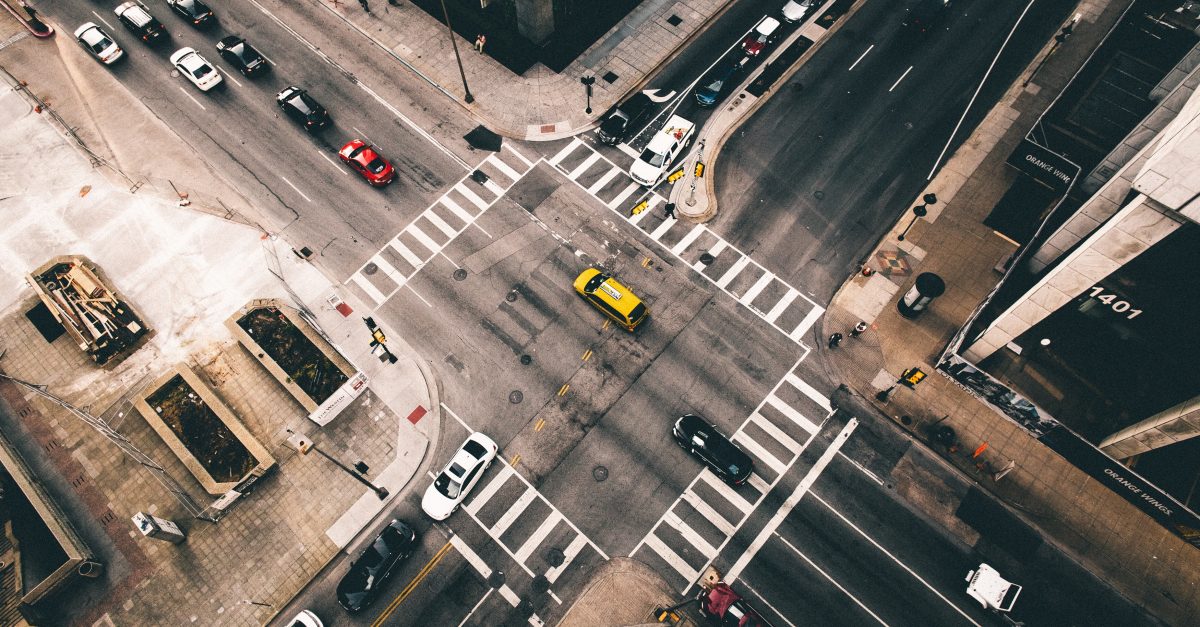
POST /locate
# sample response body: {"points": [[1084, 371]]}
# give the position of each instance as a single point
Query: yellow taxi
{"points": [[612, 298]]}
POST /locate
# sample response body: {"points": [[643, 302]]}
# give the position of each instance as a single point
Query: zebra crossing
{"points": [[381, 276], [692, 532], [754, 287]]}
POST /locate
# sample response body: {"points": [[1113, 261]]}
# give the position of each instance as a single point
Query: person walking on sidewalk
{"points": [[480, 40], [858, 329], [834, 340], [365, 6]]}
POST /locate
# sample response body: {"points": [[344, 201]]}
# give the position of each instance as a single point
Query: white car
{"points": [[795, 10], [96, 41], [650, 166], [196, 69], [306, 619], [456, 480]]}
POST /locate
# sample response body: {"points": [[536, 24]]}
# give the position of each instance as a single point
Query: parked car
{"points": [[694, 435], [459, 477], [796, 10], [98, 43], [615, 300], [368, 572], [764, 35], [301, 107], [716, 84], [623, 119], [926, 14], [193, 11], [196, 69], [367, 162], [306, 619], [242, 56], [136, 17]]}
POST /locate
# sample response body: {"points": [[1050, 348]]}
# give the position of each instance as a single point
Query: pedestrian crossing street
{"points": [[693, 531], [436, 227], [754, 287]]}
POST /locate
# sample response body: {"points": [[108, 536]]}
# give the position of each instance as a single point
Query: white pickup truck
{"points": [[984, 584], [664, 147]]}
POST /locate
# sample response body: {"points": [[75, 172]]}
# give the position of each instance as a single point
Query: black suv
{"points": [[301, 107], [374, 565], [694, 435], [242, 56], [136, 17], [628, 114], [193, 11]]}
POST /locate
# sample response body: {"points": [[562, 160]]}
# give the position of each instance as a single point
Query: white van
{"points": [[664, 147]]}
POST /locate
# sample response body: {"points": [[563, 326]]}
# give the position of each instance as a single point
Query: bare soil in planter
{"points": [[201, 431], [303, 362]]}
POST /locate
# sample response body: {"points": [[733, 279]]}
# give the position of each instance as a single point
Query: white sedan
{"points": [[456, 480], [196, 69], [98, 43]]}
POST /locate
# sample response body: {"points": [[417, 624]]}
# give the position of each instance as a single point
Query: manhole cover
{"points": [[515, 397], [540, 584], [819, 194], [511, 296], [496, 579], [555, 557], [370, 268], [526, 360], [706, 258], [459, 274], [599, 473]]}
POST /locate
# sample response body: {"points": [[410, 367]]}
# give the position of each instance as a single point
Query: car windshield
{"points": [[653, 158], [447, 486]]}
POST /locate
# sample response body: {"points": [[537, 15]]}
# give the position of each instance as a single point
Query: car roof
{"points": [[767, 26], [90, 30], [135, 12]]}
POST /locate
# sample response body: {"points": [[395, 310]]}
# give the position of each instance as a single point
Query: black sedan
{"points": [[301, 107], [696, 436], [242, 56], [193, 11], [367, 574]]}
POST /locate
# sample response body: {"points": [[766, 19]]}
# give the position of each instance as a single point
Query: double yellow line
{"points": [[412, 585]]}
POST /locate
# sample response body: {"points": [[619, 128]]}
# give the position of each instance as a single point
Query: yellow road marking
{"points": [[540, 423], [563, 390], [606, 323], [412, 585], [515, 460], [587, 354], [646, 262]]}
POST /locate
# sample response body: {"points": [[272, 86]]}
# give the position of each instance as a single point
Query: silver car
{"points": [[98, 43]]}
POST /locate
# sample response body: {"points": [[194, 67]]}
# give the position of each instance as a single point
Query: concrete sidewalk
{"points": [[623, 591], [186, 271], [1147, 563]]}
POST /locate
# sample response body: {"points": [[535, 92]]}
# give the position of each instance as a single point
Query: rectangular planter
{"points": [[180, 407], [303, 362]]}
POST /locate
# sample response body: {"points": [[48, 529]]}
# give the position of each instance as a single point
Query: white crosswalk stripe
{"points": [[714, 500], [511, 514]]}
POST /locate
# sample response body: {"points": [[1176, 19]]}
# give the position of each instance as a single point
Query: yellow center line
{"points": [[412, 585], [606, 323], [515, 460], [563, 390], [540, 423], [646, 262], [587, 354]]}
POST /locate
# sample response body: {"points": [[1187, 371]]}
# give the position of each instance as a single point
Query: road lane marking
{"points": [[420, 236], [365, 284], [102, 19], [755, 449], [538, 537], [563, 390], [334, 164], [860, 57], [901, 78], [893, 558], [418, 295], [503, 167], [977, 89], [709, 551], [587, 355], [764, 601], [470, 195], [541, 424], [412, 585], [471, 556], [792, 414], [715, 519], [757, 288], [206, 109], [441, 225], [791, 501], [489, 490], [809, 391], [516, 460], [295, 188], [688, 239], [569, 554], [603, 180], [663, 228], [229, 76], [671, 557], [582, 167], [483, 598], [782, 305], [562, 154], [726, 491], [513, 512]]}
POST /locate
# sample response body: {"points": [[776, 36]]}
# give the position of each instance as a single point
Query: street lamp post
{"points": [[588, 81], [468, 98], [303, 444], [920, 211]]}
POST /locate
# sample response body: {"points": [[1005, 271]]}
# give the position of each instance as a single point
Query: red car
{"points": [[764, 35], [729, 608], [363, 158]]}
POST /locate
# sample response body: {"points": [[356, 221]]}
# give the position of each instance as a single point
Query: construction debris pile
{"points": [[91, 312]]}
